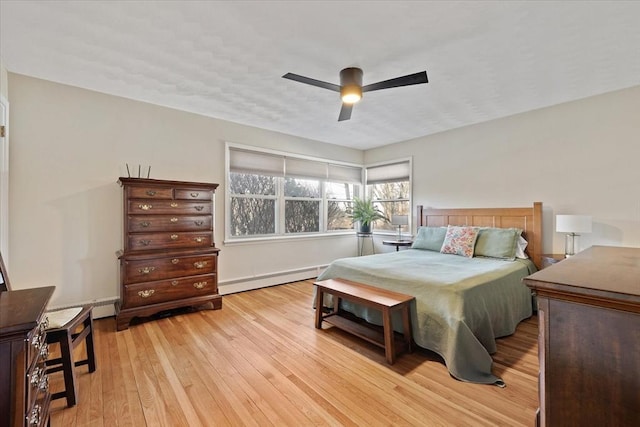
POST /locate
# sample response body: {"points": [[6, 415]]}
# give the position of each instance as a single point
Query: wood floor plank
{"points": [[260, 361]]}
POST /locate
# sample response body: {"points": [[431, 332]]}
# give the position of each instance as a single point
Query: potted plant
{"points": [[364, 212]]}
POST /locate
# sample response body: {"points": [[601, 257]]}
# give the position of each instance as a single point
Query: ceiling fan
{"points": [[351, 88]]}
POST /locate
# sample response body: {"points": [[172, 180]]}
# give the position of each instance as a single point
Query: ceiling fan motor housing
{"points": [[351, 84]]}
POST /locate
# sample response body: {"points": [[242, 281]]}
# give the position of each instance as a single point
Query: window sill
{"points": [[298, 237]]}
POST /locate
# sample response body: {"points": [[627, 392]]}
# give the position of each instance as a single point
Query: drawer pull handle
{"points": [[146, 293], [199, 285], [145, 207], [174, 205], [174, 283], [200, 264], [146, 270], [145, 224], [151, 193], [199, 239], [145, 242], [33, 419], [44, 351], [199, 222], [44, 384], [195, 194], [199, 208], [44, 325], [34, 379], [174, 237], [175, 261], [174, 219], [35, 340]]}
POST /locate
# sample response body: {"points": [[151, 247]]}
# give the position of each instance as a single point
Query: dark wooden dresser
{"points": [[589, 342], [169, 258], [24, 385]]}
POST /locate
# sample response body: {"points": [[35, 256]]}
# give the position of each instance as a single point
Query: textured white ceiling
{"points": [[484, 60]]}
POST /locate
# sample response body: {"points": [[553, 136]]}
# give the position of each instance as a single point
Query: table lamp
{"points": [[399, 220], [572, 225]]}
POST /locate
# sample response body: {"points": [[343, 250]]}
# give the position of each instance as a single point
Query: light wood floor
{"points": [[259, 361]]}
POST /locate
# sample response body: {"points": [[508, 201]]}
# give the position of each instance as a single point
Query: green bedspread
{"points": [[462, 305]]}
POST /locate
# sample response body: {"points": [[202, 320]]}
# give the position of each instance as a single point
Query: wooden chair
{"points": [[71, 327]]}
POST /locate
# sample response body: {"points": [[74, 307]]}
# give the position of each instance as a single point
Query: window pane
{"points": [[340, 190], [296, 187], [392, 208], [392, 198], [337, 218], [252, 216], [302, 216], [390, 190], [244, 183]]}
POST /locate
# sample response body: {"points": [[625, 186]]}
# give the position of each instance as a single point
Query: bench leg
{"points": [[406, 327], [319, 304], [389, 347]]}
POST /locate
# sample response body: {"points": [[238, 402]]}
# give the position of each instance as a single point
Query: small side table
{"points": [[550, 259], [397, 243]]}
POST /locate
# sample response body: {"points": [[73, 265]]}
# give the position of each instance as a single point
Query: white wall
{"points": [[580, 157], [4, 83], [4, 164], [70, 145]]}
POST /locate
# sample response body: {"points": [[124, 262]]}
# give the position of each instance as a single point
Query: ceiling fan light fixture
{"points": [[351, 85], [351, 94], [351, 88]]}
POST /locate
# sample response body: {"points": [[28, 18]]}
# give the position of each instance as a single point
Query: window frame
{"points": [[395, 178], [280, 226]]}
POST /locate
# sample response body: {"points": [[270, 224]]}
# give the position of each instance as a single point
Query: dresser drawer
{"points": [[140, 294], [165, 240], [142, 223], [186, 194], [147, 270], [150, 193], [167, 207]]}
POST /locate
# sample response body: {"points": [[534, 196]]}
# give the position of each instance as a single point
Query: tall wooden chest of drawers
{"points": [[169, 258], [589, 342], [24, 385]]}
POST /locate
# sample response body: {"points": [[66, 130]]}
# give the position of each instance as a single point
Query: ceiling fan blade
{"points": [[411, 79], [312, 82], [345, 112]]}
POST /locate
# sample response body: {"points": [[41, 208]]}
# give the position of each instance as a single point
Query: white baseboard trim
{"points": [[104, 307], [271, 279]]}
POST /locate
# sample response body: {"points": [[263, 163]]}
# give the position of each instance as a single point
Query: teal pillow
{"points": [[429, 238], [497, 243]]}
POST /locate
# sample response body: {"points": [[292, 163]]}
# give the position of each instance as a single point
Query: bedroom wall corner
{"points": [[70, 145], [579, 157]]}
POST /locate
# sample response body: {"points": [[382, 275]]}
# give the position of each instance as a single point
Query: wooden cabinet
{"points": [[589, 342], [169, 258], [24, 385]]}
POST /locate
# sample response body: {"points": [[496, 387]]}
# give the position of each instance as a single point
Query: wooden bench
{"points": [[382, 299]]}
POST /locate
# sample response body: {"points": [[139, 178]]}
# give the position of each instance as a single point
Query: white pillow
{"points": [[520, 247]]}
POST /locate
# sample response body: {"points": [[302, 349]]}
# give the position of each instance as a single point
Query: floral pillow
{"points": [[459, 241]]}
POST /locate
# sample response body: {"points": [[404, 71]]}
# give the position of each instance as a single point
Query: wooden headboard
{"points": [[527, 219]]}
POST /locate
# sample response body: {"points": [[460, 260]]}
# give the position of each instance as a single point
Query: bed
{"points": [[462, 303]]}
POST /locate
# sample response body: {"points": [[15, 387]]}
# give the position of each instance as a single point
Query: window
{"points": [[275, 194], [389, 185]]}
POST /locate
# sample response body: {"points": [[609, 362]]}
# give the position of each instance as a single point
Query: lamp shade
{"points": [[399, 219], [573, 223]]}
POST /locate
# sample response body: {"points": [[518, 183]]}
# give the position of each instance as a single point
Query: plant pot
{"points": [[365, 228]]}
